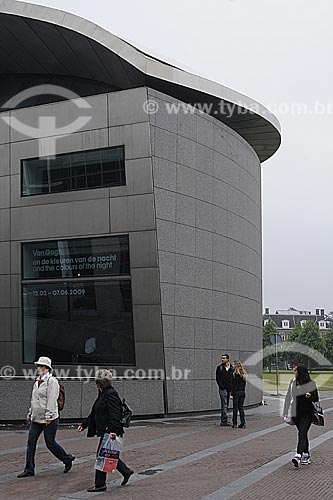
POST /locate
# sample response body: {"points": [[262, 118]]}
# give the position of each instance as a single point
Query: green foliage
{"points": [[310, 336], [295, 333], [328, 345], [268, 330]]}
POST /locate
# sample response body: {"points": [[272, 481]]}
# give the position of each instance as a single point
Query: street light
{"points": [[276, 340]]}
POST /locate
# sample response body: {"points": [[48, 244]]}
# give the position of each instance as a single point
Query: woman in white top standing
{"points": [[43, 417]]}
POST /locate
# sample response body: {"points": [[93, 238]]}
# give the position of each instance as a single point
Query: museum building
{"points": [[130, 218]]}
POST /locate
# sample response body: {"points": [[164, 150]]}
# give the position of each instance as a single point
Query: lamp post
{"points": [[276, 340]]}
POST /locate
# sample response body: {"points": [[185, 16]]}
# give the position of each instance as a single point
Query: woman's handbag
{"points": [[126, 414], [108, 453], [318, 414]]}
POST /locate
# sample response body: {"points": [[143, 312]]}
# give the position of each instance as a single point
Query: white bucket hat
{"points": [[43, 360]]}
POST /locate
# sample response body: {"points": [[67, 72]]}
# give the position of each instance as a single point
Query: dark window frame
{"points": [[72, 178], [93, 279], [87, 238]]}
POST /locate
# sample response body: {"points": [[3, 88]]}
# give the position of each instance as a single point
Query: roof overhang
{"points": [[43, 45]]}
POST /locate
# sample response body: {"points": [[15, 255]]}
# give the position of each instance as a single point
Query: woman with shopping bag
{"points": [[105, 418]]}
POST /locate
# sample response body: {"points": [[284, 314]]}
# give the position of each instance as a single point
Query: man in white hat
{"points": [[43, 417]]}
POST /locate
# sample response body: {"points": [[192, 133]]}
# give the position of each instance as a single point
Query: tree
{"points": [[293, 337], [268, 330], [328, 345], [310, 336]]}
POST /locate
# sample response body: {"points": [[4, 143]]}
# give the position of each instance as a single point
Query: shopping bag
{"points": [[108, 453], [109, 463]]}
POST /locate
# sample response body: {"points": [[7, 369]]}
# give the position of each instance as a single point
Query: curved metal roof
{"points": [[46, 45]]}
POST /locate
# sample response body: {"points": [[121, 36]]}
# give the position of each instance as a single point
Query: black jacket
{"points": [[238, 384], [105, 416], [224, 377], [296, 401]]}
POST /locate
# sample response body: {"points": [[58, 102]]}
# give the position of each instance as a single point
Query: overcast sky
{"points": [[280, 53]]}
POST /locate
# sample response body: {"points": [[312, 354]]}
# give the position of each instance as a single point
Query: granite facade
{"points": [[208, 218], [191, 207]]}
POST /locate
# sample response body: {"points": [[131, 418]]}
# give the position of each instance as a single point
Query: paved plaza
{"points": [[188, 458]]}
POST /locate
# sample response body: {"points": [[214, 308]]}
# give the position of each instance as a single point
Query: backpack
{"points": [[126, 414], [61, 397]]}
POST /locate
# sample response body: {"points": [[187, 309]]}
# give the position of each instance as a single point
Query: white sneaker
{"points": [[306, 459], [297, 460]]}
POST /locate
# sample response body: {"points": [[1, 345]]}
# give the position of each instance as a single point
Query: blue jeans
{"points": [[238, 406], [100, 476], [35, 430], [224, 396]]}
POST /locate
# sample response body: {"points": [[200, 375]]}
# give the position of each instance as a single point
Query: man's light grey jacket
{"points": [[44, 400]]}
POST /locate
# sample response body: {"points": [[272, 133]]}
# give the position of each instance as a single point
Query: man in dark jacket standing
{"points": [[105, 417], [224, 381]]}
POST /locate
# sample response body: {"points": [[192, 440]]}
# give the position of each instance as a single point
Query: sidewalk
{"points": [[190, 458]]}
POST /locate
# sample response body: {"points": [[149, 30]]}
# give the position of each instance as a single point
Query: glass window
{"points": [[81, 258], [82, 322], [74, 171], [80, 309]]}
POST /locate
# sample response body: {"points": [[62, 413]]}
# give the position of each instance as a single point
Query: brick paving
{"points": [[188, 478], [309, 482]]}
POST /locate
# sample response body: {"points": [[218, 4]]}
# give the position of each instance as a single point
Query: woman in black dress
{"points": [[105, 417]]}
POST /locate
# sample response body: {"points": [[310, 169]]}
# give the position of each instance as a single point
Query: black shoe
{"points": [[126, 477], [97, 488], [69, 466], [26, 473], [242, 426], [224, 424], [234, 426], [296, 461]]}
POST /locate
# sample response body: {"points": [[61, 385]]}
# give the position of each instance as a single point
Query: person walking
{"points": [[238, 393], [298, 408], [105, 417], [43, 417], [224, 381]]}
